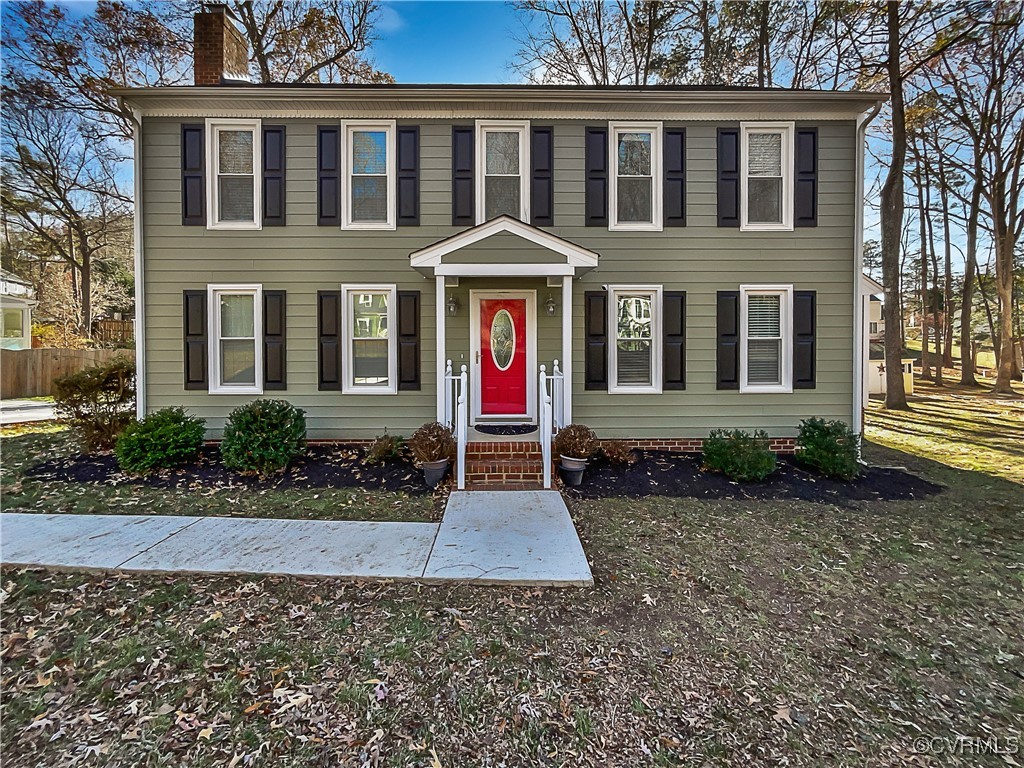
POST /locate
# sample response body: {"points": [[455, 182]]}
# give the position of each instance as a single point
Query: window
{"points": [[872, 327], [766, 176], [635, 350], [13, 324], [502, 157], [370, 358], [368, 201], [236, 331], [233, 189], [766, 330], [636, 176]]}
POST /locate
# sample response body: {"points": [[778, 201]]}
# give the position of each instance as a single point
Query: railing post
{"points": [[545, 424], [462, 429], [448, 399]]}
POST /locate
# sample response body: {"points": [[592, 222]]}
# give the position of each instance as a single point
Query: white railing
{"points": [[456, 416], [551, 389]]}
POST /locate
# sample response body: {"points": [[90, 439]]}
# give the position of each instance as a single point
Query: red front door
{"points": [[502, 357]]}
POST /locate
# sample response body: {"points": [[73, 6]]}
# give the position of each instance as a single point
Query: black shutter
{"points": [[328, 175], [596, 189], [408, 340], [193, 183], [673, 351], [728, 357], [275, 361], [463, 212], [728, 177], [273, 176], [542, 177], [805, 208], [195, 340], [675, 178], [804, 345], [408, 162], [595, 310], [328, 349]]}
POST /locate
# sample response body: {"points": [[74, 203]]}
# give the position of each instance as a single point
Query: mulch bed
{"points": [[665, 473], [323, 466]]}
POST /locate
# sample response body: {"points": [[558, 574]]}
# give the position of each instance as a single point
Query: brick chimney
{"points": [[221, 53]]}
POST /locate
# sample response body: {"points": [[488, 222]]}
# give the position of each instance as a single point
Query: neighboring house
{"points": [[17, 297], [691, 256]]}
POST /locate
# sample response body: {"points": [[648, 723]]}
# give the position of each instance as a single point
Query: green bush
{"points": [[739, 455], [263, 437], [829, 447], [164, 439], [385, 448], [97, 403]]}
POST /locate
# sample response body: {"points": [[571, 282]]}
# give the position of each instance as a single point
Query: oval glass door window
{"points": [[503, 339]]}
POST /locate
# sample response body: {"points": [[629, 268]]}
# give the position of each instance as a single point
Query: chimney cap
{"points": [[221, 8]]}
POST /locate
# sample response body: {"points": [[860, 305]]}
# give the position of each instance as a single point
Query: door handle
{"points": [[478, 357]]}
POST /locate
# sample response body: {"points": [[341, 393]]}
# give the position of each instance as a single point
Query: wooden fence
{"points": [[114, 331], [31, 372]]}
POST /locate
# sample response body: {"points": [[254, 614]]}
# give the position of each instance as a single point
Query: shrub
{"points": [[830, 447], [433, 442], [163, 439], [263, 437], [576, 441], [385, 448], [618, 452], [97, 402], [739, 455]]}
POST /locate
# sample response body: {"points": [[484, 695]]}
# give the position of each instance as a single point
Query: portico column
{"points": [[567, 348], [440, 345]]}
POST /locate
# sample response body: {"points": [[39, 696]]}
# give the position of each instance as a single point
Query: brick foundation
{"points": [[783, 445]]}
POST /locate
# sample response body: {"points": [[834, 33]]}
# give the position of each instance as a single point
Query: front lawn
{"points": [[725, 632]]}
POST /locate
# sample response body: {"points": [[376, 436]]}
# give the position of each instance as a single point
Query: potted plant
{"points": [[575, 444], [433, 446]]}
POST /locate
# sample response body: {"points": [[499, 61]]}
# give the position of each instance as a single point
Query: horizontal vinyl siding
{"points": [[700, 259]]}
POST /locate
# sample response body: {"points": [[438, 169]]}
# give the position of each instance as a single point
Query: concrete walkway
{"points": [[23, 411], [511, 537]]}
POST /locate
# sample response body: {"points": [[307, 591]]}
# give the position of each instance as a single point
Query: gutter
{"points": [[858, 269]]}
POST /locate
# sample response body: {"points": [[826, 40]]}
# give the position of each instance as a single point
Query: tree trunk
{"points": [[1004, 290], [947, 286], [86, 287], [892, 219], [968, 358]]}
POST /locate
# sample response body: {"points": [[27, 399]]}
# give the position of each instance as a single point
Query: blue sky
{"points": [[447, 42]]}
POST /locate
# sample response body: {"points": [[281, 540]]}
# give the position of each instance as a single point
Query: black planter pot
{"points": [[434, 471]]}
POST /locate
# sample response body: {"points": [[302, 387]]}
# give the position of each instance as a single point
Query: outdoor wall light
{"points": [[550, 305], [453, 306]]}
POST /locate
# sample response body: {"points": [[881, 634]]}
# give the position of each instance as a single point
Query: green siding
{"points": [[700, 259]]}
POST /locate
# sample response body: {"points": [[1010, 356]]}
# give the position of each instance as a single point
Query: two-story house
{"points": [[690, 256]]}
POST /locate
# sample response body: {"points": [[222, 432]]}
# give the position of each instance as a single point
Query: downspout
{"points": [[858, 269], [140, 292]]}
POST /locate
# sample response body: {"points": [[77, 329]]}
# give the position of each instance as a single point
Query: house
{"points": [[690, 256], [17, 297]]}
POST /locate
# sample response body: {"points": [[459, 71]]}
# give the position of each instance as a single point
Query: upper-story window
{"points": [[766, 176], [368, 151], [635, 178], [766, 333], [502, 162], [232, 151]]}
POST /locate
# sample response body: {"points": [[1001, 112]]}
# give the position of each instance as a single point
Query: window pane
{"points": [[12, 323], [235, 151], [634, 154], [235, 196], [634, 199], [502, 156], [236, 316], [238, 362], [633, 361], [764, 200], [501, 195], [370, 361], [764, 154], [369, 152], [370, 315], [764, 315], [634, 313], [369, 198], [763, 358]]}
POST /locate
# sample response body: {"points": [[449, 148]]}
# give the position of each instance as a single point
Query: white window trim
{"points": [[213, 293], [348, 127], [655, 225], [785, 328], [213, 127], [348, 387], [788, 170], [655, 387], [483, 127]]}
